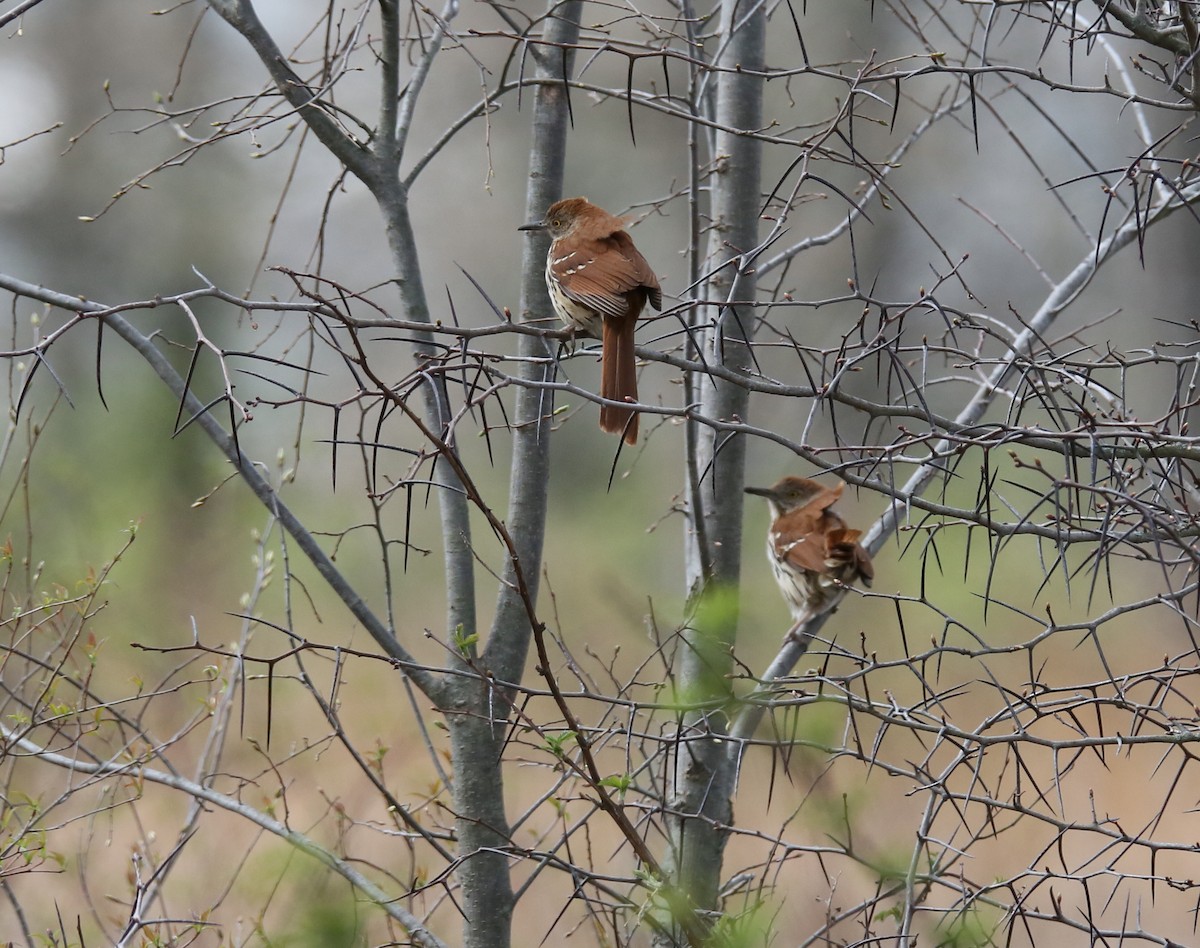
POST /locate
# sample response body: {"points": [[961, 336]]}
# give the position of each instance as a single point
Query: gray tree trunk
{"points": [[477, 735], [704, 773]]}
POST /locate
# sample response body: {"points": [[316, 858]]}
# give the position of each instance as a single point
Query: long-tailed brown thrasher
{"points": [[599, 283], [811, 550]]}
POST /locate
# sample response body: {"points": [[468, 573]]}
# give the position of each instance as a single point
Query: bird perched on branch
{"points": [[599, 283], [812, 552]]}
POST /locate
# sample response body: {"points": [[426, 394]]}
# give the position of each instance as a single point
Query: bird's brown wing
{"points": [[826, 499], [601, 272], [797, 539], [846, 558]]}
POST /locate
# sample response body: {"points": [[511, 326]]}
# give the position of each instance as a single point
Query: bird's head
{"points": [[793, 492]]}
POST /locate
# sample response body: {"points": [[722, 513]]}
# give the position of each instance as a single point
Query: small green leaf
{"points": [[619, 782], [555, 743]]}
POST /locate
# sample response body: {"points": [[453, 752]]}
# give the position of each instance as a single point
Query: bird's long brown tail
{"points": [[618, 377]]}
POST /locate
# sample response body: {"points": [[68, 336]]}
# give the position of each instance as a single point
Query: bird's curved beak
{"points": [[540, 225], [760, 491]]}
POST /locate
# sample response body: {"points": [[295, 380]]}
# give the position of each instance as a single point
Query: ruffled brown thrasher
{"points": [[599, 283], [811, 550]]}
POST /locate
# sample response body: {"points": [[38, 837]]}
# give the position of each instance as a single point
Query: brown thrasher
{"points": [[599, 283], [811, 550]]}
